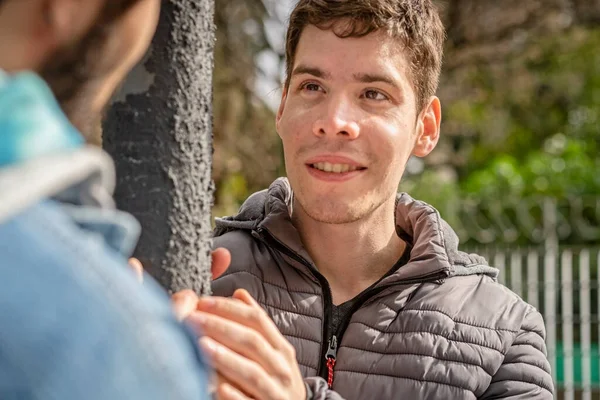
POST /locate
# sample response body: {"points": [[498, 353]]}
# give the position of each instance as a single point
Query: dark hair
{"points": [[114, 9], [415, 23]]}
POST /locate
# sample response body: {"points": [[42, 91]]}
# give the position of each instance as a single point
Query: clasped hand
{"points": [[251, 358]]}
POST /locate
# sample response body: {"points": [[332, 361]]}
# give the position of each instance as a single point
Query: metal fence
{"points": [[556, 270], [563, 286]]}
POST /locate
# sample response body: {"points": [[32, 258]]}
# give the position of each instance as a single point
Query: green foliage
{"points": [[443, 194], [553, 87], [535, 121], [564, 167]]}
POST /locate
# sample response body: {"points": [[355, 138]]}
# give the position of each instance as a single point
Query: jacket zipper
{"points": [[336, 338], [326, 289], [330, 356], [329, 352]]}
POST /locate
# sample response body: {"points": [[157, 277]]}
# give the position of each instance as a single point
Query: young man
{"points": [[367, 286], [74, 322]]}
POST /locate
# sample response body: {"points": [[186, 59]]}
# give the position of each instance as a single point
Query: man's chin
{"points": [[333, 211]]}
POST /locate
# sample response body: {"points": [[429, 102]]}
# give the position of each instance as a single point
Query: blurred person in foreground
{"points": [[74, 322], [351, 290]]}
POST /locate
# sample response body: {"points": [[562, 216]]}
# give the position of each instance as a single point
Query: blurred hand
{"points": [[137, 268], [250, 356]]}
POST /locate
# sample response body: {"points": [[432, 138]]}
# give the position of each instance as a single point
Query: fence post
{"points": [[566, 285], [550, 277], [585, 318]]}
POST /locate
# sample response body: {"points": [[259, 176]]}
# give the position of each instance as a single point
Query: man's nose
{"points": [[338, 118]]}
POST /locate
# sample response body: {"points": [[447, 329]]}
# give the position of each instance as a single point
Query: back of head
{"points": [[416, 25]]}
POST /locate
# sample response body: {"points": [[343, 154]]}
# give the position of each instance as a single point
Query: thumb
{"points": [[184, 303], [221, 258]]}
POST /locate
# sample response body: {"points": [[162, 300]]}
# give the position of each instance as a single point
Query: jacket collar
{"points": [[434, 243]]}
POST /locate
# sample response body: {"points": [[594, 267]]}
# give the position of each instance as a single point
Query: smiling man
{"points": [[365, 291]]}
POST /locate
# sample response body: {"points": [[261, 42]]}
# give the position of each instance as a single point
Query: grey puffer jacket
{"points": [[440, 327]]}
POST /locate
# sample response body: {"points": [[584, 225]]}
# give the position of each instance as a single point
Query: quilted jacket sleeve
{"points": [[525, 373], [317, 389]]}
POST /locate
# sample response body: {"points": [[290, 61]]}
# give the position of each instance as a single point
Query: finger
{"points": [[252, 316], [137, 268], [244, 296], [225, 391], [244, 374], [221, 258], [220, 380], [215, 380], [184, 303], [278, 341], [241, 339]]}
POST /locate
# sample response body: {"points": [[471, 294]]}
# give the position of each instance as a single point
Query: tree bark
{"points": [[159, 132]]}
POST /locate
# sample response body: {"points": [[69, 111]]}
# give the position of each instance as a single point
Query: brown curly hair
{"points": [[416, 24]]}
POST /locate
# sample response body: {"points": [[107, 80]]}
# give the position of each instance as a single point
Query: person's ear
{"points": [[281, 108], [428, 128], [66, 21]]}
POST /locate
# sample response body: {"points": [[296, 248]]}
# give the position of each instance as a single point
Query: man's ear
{"points": [[428, 128], [281, 108], [66, 21]]}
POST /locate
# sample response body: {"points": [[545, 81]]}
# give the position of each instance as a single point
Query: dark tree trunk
{"points": [[159, 131]]}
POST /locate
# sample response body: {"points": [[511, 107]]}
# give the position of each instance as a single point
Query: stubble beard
{"points": [[72, 73], [335, 211]]}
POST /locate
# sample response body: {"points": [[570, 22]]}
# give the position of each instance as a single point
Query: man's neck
{"points": [[355, 255]]}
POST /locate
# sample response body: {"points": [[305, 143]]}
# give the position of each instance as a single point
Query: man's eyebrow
{"points": [[360, 77], [314, 71], [371, 78]]}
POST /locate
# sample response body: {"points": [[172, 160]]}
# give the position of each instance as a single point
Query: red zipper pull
{"points": [[330, 357]]}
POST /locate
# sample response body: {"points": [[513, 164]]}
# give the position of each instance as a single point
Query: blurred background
{"points": [[517, 171]]}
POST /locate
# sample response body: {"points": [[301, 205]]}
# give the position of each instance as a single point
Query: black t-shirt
{"points": [[338, 313]]}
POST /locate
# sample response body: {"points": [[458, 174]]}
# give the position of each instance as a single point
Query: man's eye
{"points": [[311, 87], [375, 95]]}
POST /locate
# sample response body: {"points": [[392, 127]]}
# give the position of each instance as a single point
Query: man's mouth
{"points": [[335, 168]]}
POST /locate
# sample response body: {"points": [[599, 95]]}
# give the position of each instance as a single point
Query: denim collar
{"points": [[42, 156], [32, 123], [82, 181]]}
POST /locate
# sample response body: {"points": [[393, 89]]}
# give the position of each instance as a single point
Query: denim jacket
{"points": [[74, 322]]}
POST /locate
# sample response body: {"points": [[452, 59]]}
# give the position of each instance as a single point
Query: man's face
{"points": [[349, 123], [82, 61], [124, 45]]}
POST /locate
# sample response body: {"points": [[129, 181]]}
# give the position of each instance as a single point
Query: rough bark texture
{"points": [[159, 131]]}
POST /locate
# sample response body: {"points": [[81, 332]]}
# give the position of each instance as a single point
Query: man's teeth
{"points": [[337, 168]]}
